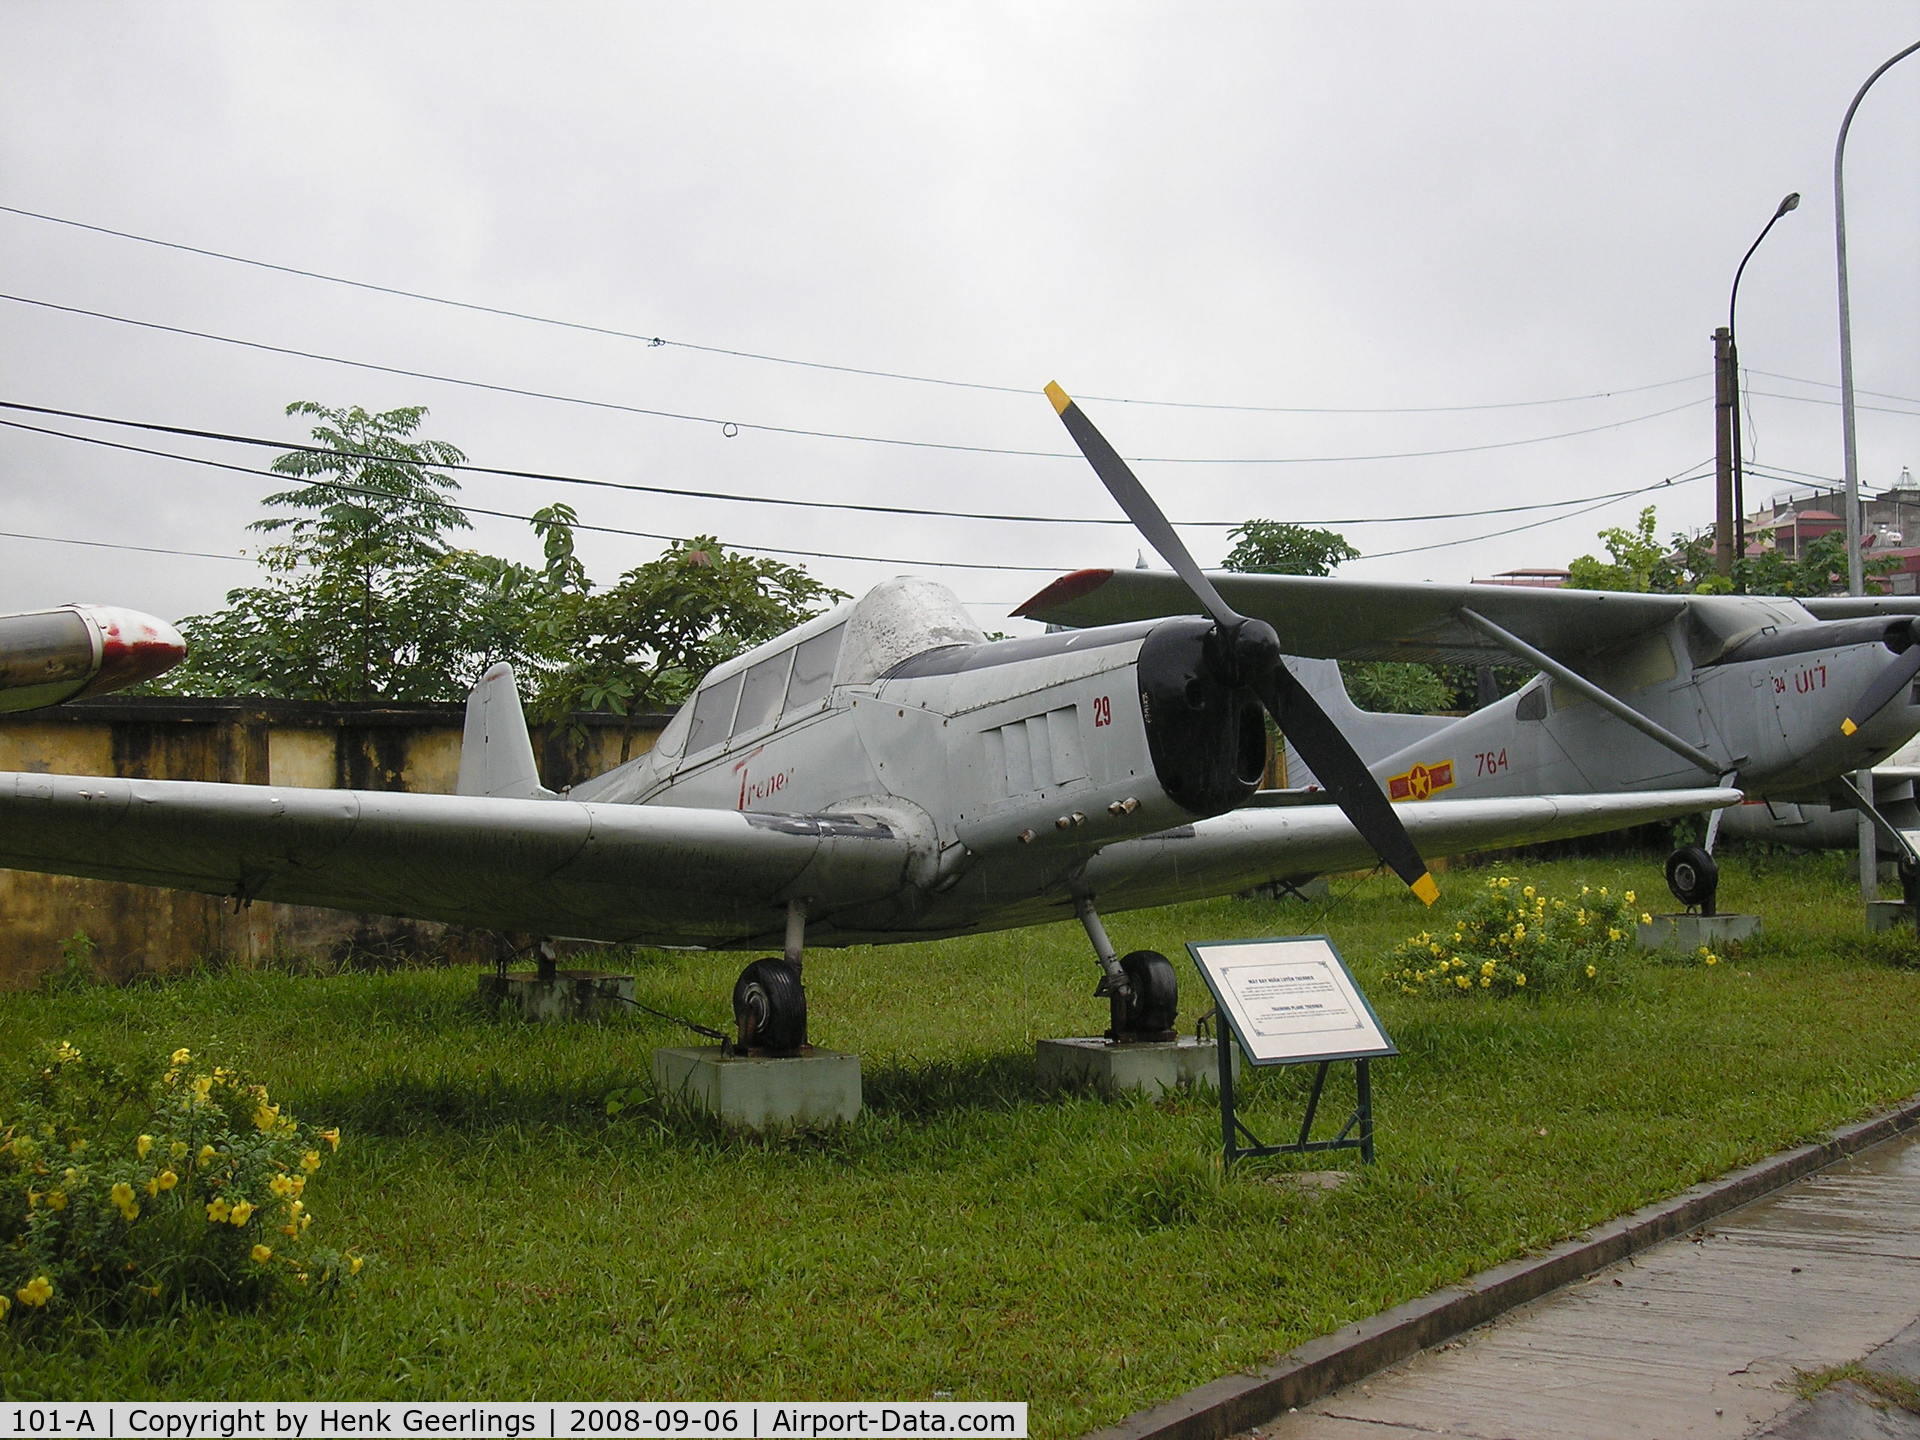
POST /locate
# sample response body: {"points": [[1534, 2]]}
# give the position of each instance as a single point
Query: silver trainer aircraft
{"points": [[881, 773], [1783, 697]]}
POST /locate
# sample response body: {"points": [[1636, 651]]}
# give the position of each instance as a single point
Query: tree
{"points": [[1273, 547], [1638, 562], [644, 642], [365, 597]]}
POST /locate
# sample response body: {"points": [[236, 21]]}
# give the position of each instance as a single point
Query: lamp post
{"points": [[1732, 362], [1856, 579]]}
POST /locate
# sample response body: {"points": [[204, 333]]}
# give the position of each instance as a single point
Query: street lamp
{"points": [[1856, 580], [1791, 202]]}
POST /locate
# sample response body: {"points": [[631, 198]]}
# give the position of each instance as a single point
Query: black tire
{"points": [[770, 1006], [1155, 1001], [1693, 877]]}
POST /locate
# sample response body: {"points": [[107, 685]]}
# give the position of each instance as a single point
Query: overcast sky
{"points": [[1431, 214]]}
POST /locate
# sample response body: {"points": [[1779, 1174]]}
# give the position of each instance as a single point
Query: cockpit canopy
{"points": [[788, 677]]}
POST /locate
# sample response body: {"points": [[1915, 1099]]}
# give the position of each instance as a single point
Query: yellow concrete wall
{"points": [[129, 931]]}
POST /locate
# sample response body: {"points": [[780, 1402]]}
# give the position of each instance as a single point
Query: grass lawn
{"points": [[971, 1234]]}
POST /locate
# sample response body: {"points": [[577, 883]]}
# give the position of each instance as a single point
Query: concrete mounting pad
{"points": [[1151, 1067], [1690, 932], [1888, 915], [566, 995], [817, 1087]]}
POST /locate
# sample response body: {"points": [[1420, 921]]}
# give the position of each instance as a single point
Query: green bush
{"points": [[1514, 938], [121, 1189]]}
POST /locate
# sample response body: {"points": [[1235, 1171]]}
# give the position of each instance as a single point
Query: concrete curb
{"points": [[1238, 1402]]}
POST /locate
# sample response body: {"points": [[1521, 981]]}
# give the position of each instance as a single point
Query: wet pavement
{"points": [[1704, 1335]]}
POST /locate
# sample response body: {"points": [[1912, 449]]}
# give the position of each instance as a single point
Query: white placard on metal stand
{"points": [[1291, 1001]]}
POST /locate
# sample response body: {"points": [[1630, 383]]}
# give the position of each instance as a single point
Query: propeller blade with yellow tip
{"points": [[1253, 651]]}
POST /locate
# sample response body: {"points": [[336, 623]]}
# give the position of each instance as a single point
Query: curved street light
{"points": [[1856, 581], [1791, 202]]}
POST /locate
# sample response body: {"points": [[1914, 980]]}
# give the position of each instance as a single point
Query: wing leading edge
{"points": [[657, 874], [1334, 619]]}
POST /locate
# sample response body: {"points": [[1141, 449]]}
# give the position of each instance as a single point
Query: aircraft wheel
{"points": [[1156, 992], [770, 1006], [1694, 877]]}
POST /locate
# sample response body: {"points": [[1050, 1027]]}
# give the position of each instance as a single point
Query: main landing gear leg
{"points": [[769, 999], [1142, 990]]}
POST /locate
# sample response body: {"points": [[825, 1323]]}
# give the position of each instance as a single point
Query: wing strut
{"points": [[1612, 704]]}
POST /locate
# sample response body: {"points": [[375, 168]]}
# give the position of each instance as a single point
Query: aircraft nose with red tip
{"points": [[47, 656]]}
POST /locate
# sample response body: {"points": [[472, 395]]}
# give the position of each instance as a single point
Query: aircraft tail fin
{"points": [[496, 751], [1371, 733]]}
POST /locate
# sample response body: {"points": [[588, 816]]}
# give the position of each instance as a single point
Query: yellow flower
{"points": [[207, 1152], [354, 1262], [280, 1185], [1713, 959], [1520, 979], [1628, 897], [1485, 980], [1592, 971], [202, 1087], [1462, 981], [65, 1053], [219, 1211], [36, 1291], [1613, 934], [242, 1212], [142, 1146], [56, 1200], [180, 1056], [178, 1150], [265, 1116], [5, 1305], [1528, 892], [1645, 918], [310, 1161], [261, 1254], [122, 1196], [166, 1179]]}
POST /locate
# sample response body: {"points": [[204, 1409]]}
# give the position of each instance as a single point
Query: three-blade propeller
{"points": [[1250, 652]]}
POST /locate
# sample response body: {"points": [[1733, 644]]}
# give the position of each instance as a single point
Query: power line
{"points": [[1817, 400], [578, 525], [731, 427], [1828, 385], [655, 341], [112, 545], [683, 493], [512, 515]]}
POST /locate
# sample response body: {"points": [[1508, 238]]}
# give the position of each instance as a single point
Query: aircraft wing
{"points": [[1247, 847], [657, 874], [1335, 619], [1849, 607]]}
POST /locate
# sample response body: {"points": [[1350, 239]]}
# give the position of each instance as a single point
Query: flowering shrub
{"points": [[1515, 938], [119, 1189]]}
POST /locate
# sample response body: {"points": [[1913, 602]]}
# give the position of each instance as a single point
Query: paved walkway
{"points": [[1697, 1338]]}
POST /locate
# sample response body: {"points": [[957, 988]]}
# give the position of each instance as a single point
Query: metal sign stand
{"points": [[1291, 1001], [1356, 1134]]}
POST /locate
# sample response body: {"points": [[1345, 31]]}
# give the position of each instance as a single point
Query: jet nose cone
{"points": [[133, 647]]}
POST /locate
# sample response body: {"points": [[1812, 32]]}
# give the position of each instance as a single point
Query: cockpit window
{"points": [[813, 661], [713, 714], [760, 693]]}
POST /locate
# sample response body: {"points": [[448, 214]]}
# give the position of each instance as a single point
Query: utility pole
{"points": [[1725, 418]]}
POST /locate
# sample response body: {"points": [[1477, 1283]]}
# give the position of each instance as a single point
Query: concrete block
{"points": [[819, 1087], [1889, 915], [569, 995], [1690, 932], [1150, 1068]]}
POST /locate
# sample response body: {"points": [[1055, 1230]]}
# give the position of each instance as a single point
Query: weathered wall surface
{"points": [[133, 930]]}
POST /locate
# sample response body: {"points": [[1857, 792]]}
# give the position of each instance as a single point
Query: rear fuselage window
{"points": [[761, 691]]}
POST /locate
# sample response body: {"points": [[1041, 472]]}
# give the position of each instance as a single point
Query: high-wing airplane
{"points": [[881, 773], [1784, 697], [51, 656]]}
